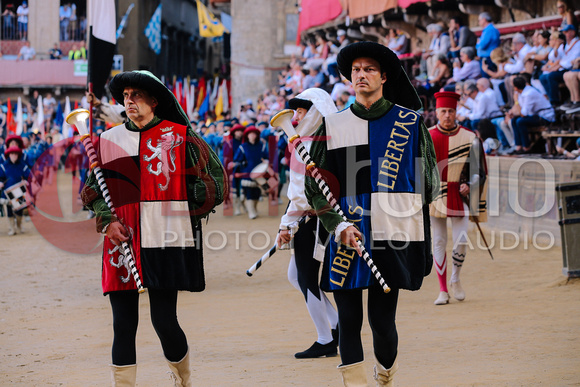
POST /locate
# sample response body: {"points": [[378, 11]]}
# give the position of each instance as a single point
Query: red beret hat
{"points": [[446, 99]]}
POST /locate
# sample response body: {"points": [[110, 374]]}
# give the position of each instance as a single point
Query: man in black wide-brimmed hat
{"points": [[379, 161], [163, 179]]}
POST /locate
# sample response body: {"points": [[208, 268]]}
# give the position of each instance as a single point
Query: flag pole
{"points": [[90, 81]]}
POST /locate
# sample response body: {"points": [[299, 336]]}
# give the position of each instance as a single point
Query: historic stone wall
{"points": [[257, 47]]}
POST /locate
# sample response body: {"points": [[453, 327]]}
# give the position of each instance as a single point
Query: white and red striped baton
{"points": [[283, 120], [77, 118]]}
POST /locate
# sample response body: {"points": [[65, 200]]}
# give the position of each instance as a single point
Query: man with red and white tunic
{"points": [[462, 168], [162, 179]]}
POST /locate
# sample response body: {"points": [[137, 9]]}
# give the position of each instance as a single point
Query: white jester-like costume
{"points": [[309, 235]]}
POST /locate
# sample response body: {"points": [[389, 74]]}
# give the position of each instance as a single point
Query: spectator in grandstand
{"points": [[26, 52], [55, 52], [566, 10], [552, 80], [470, 68], [65, 13], [538, 56], [572, 80], [441, 74], [488, 41], [499, 58], [439, 45], [8, 22], [484, 104], [343, 41], [22, 13], [459, 36], [520, 48], [314, 77], [397, 42], [573, 154], [534, 110]]}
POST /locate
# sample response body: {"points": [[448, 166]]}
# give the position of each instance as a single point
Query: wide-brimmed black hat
{"points": [[168, 108], [397, 89], [296, 103]]}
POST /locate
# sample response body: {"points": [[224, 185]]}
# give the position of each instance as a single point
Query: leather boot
{"points": [[353, 375], [11, 222], [251, 207], [123, 376], [19, 224], [181, 371], [383, 376]]}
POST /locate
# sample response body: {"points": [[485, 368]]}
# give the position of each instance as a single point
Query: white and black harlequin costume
{"points": [[304, 268]]}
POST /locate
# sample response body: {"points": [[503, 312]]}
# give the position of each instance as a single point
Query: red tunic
{"points": [[452, 151], [145, 175]]}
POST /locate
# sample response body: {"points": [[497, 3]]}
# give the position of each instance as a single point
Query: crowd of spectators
{"points": [[72, 27], [533, 83]]}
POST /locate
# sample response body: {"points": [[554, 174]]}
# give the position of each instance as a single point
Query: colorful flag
{"points": [[119, 33], [209, 25], [153, 31], [10, 123], [66, 128], [58, 119], [214, 94], [219, 105], [19, 118], [204, 108], [226, 96], [102, 42], [39, 124], [201, 93]]}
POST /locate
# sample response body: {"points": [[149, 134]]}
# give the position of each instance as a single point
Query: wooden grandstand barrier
{"points": [[552, 136]]}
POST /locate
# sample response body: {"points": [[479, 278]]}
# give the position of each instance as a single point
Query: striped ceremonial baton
{"points": [[283, 119], [260, 261], [77, 118]]}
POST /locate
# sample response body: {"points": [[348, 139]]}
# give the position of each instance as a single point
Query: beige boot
{"points": [[123, 376], [19, 224], [237, 206], [11, 224], [353, 375], [251, 207], [181, 371], [383, 376]]}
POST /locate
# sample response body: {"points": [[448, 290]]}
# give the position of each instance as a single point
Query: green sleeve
{"points": [[92, 198], [206, 180], [429, 164], [328, 216]]}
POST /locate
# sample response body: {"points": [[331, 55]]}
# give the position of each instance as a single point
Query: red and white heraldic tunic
{"points": [[146, 174]]}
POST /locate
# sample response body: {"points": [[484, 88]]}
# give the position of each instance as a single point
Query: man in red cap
{"points": [[462, 168]]}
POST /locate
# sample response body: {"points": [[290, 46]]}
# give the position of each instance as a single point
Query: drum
{"points": [[264, 176], [16, 195]]}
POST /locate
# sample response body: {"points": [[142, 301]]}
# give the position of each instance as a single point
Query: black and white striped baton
{"points": [[77, 118], [283, 120], [260, 261]]}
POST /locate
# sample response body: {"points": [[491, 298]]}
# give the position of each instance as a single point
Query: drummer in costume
{"points": [[231, 146], [12, 171], [461, 163], [163, 179], [249, 155], [378, 159], [299, 225]]}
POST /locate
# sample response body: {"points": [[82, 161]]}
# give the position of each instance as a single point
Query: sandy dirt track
{"points": [[519, 326]]}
